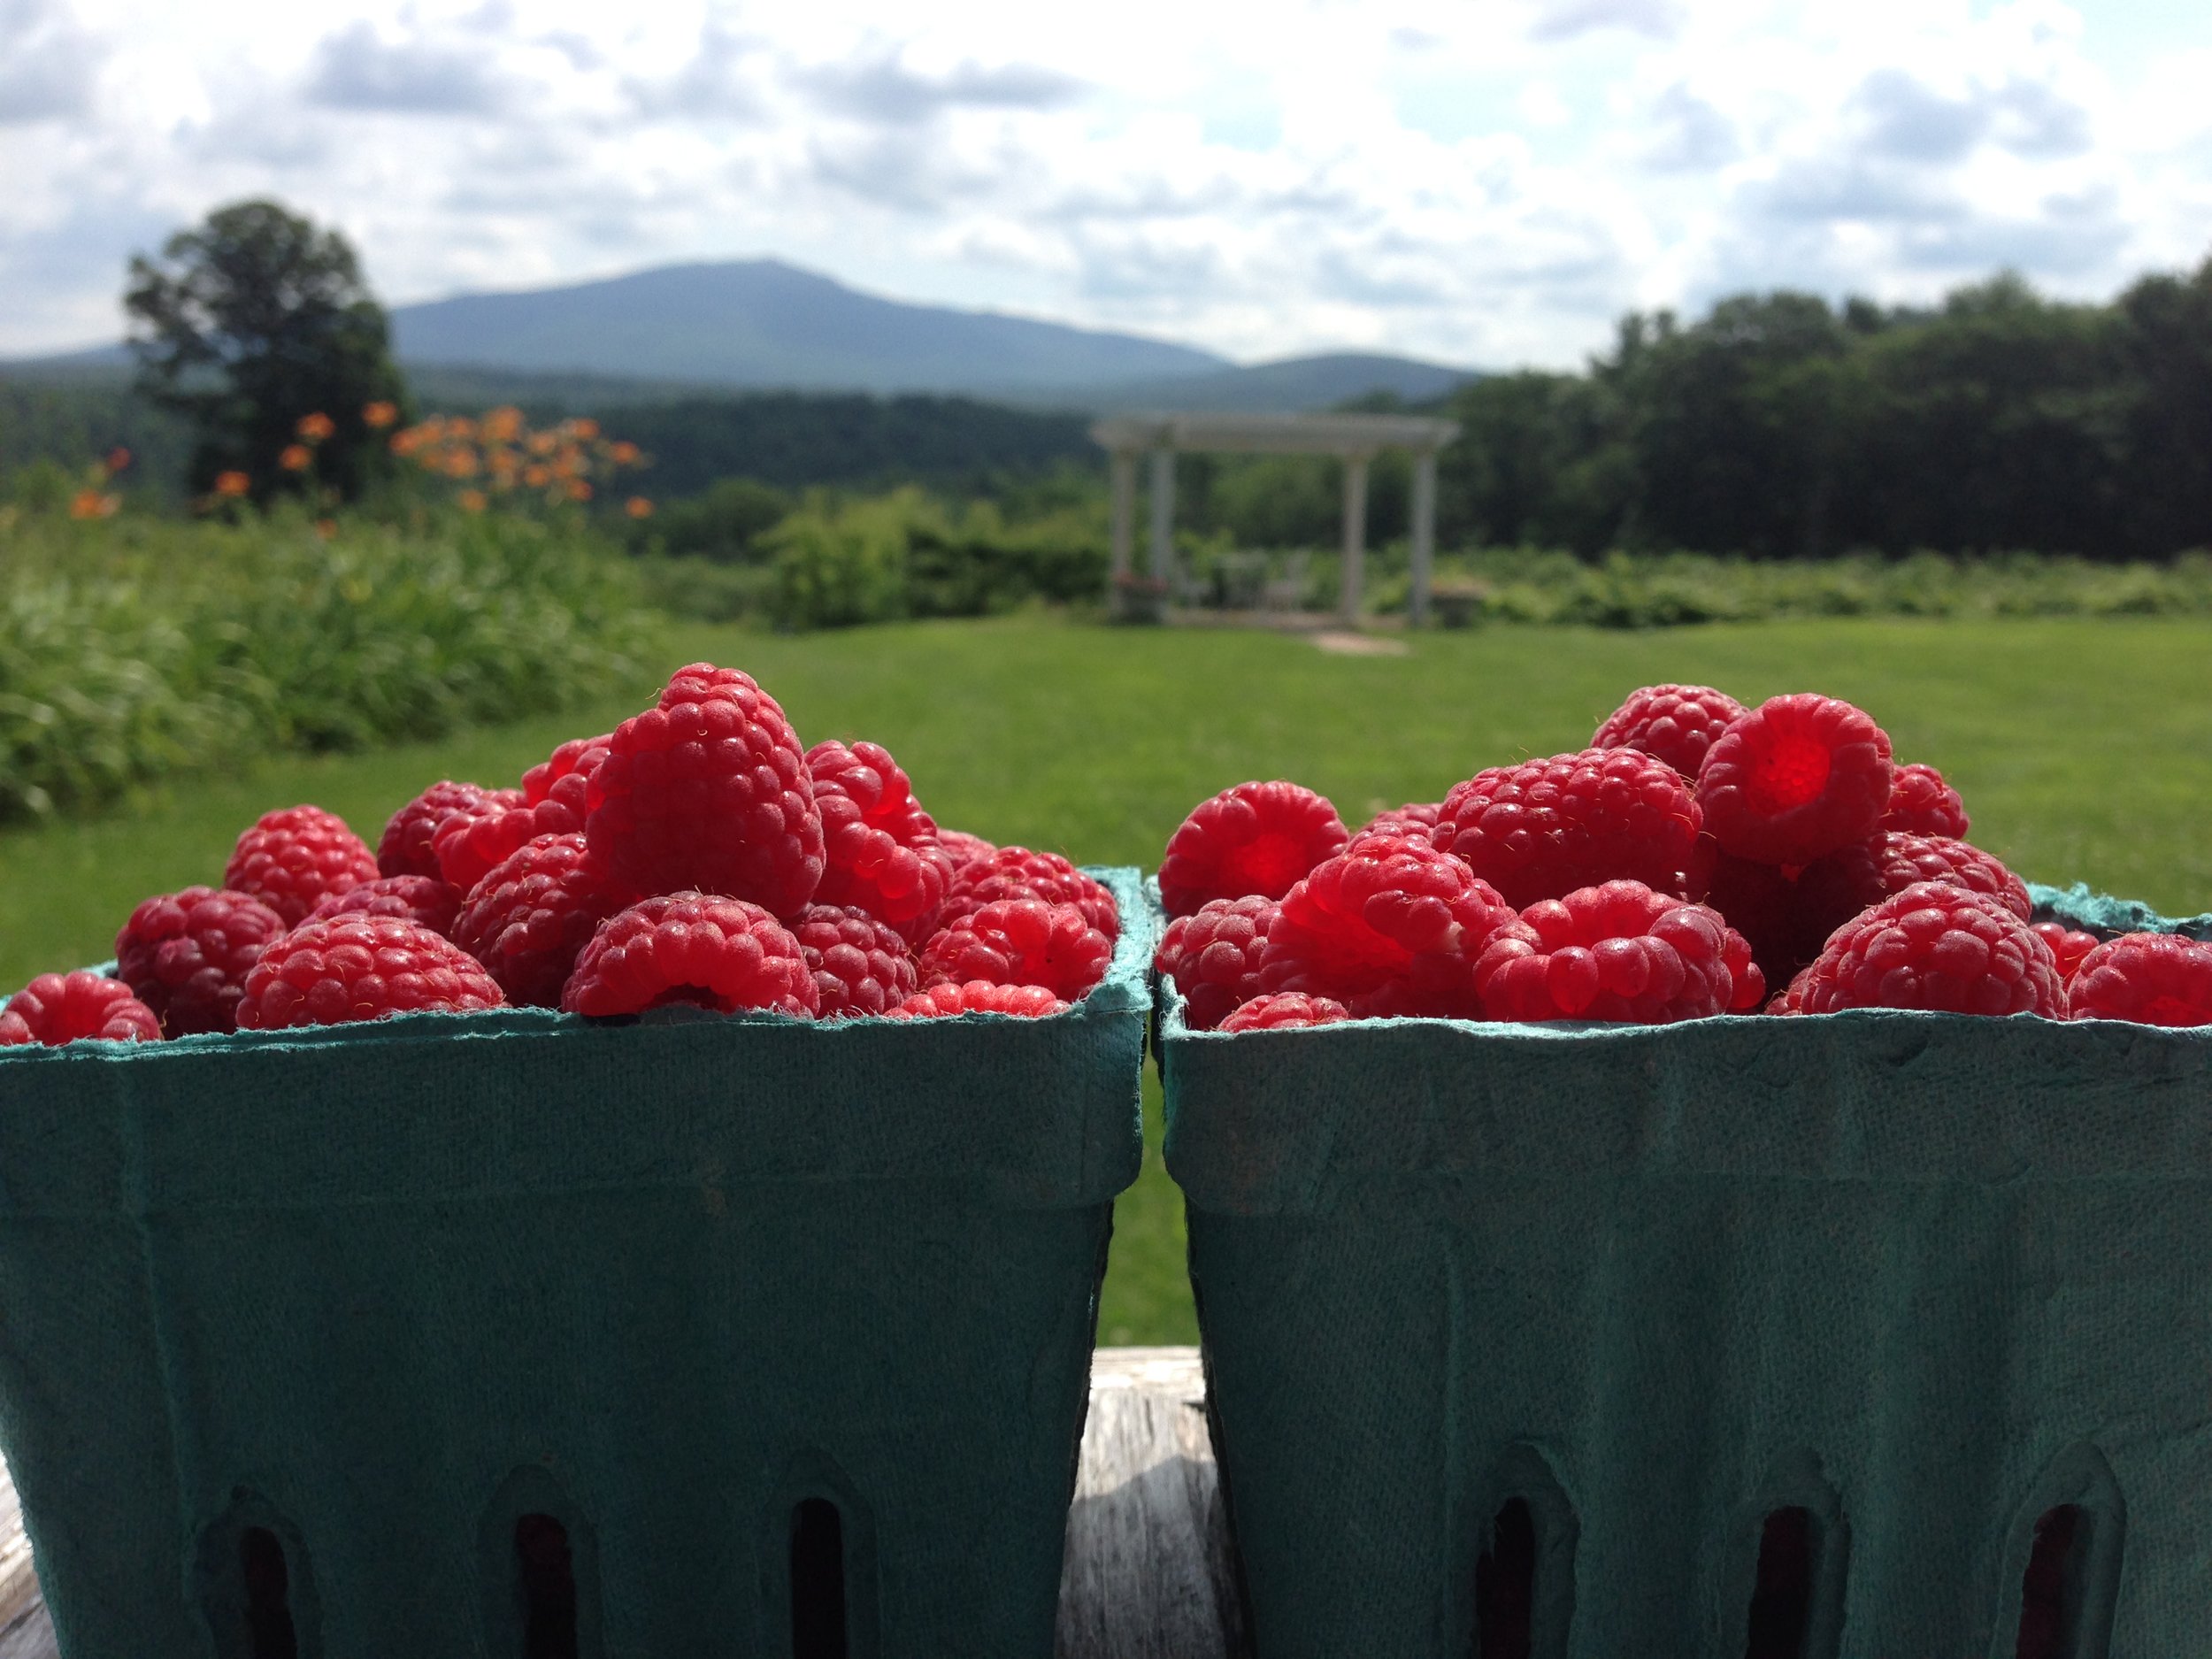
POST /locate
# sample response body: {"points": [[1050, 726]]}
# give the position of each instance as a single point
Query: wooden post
{"points": [[1163, 513], [1355, 539], [1424, 533]]}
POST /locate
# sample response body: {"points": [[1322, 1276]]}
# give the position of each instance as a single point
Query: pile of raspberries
{"points": [[696, 854], [1698, 858]]}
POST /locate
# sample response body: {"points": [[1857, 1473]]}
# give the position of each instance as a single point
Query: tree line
{"points": [[1780, 425]]}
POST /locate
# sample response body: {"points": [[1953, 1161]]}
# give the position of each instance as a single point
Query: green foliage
{"points": [[74, 423], [905, 554], [134, 649], [1779, 427], [724, 524], [253, 320]]}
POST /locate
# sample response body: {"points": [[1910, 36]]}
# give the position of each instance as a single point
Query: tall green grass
{"points": [[135, 649]]}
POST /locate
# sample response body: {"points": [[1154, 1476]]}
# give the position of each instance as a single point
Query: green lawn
{"points": [[2084, 751]]}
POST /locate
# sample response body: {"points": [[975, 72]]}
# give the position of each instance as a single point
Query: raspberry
{"points": [[1675, 724], [1214, 957], [1764, 904], [860, 963], [881, 847], [1798, 777], [1418, 818], [2067, 946], [1792, 1001], [963, 847], [291, 859], [579, 758], [471, 841], [1285, 1011], [361, 967], [423, 899], [1016, 873], [1020, 941], [1388, 926], [1546, 827], [1921, 803], [533, 912], [2153, 978], [979, 996], [1936, 946], [709, 790], [1617, 952], [58, 1008], [185, 955], [714, 952], [1832, 890], [406, 848], [1255, 838]]}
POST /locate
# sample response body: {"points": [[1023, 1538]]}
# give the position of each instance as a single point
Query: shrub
{"points": [[133, 648]]}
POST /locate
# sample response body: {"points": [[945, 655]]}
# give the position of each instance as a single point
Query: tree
{"points": [[252, 322]]}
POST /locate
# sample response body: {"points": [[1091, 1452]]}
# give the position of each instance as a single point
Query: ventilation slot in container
{"points": [[2051, 1601], [267, 1584], [1782, 1591], [545, 1583], [1505, 1585], [817, 1581], [2063, 1577]]}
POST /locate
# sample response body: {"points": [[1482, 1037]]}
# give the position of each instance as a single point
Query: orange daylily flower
{"points": [[326, 528], [316, 427], [582, 426], [297, 457], [460, 464], [379, 414], [472, 501], [503, 425], [91, 504], [579, 490], [638, 507], [543, 443], [537, 477], [623, 452], [119, 458], [232, 483]]}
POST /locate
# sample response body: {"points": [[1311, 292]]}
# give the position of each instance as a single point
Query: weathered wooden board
{"points": [[1149, 1574]]}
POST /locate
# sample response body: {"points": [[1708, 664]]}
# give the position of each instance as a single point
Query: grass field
{"points": [[2083, 750]]}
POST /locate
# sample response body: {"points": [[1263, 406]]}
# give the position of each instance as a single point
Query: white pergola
{"points": [[1356, 439]]}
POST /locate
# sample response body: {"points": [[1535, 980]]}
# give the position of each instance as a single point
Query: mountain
{"points": [[762, 323], [1287, 386]]}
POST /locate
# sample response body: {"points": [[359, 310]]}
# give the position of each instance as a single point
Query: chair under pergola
{"points": [[1356, 439]]}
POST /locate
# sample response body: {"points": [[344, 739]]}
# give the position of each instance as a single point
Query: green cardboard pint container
{"points": [[487, 1334], [1872, 1334]]}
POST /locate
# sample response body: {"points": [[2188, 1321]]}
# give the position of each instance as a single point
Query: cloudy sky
{"points": [[1485, 182]]}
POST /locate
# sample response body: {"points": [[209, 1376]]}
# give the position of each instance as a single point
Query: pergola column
{"points": [[1124, 538], [1354, 573], [1162, 512], [1424, 532]]}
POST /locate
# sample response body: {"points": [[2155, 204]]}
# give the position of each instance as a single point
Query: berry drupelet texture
{"points": [[979, 996], [1287, 1011], [1544, 828], [1619, 952], [1020, 941], [1214, 957], [531, 914], [1675, 724], [362, 967], [1797, 777], [58, 1008], [881, 848], [186, 955], [291, 859], [700, 948], [861, 964], [2153, 978], [1939, 947], [1255, 839]]}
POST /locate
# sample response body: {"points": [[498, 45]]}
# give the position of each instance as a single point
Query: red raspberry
{"points": [[533, 912], [979, 996], [579, 758], [1255, 838], [58, 1008], [695, 948], [1832, 890], [1764, 904], [963, 847], [406, 848], [1016, 873], [1214, 957], [290, 859], [1286, 1012], [1921, 803], [186, 955], [1936, 946], [709, 791], [423, 899], [1792, 1001], [1020, 941], [881, 847], [2153, 978], [361, 967], [1418, 818], [1675, 724], [1388, 926], [1617, 952], [860, 964], [1798, 777], [1546, 827], [2067, 946]]}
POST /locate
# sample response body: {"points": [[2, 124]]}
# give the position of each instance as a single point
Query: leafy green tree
{"points": [[2167, 346], [250, 323]]}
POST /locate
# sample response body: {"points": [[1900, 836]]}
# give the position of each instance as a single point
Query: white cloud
{"points": [[1487, 185]]}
